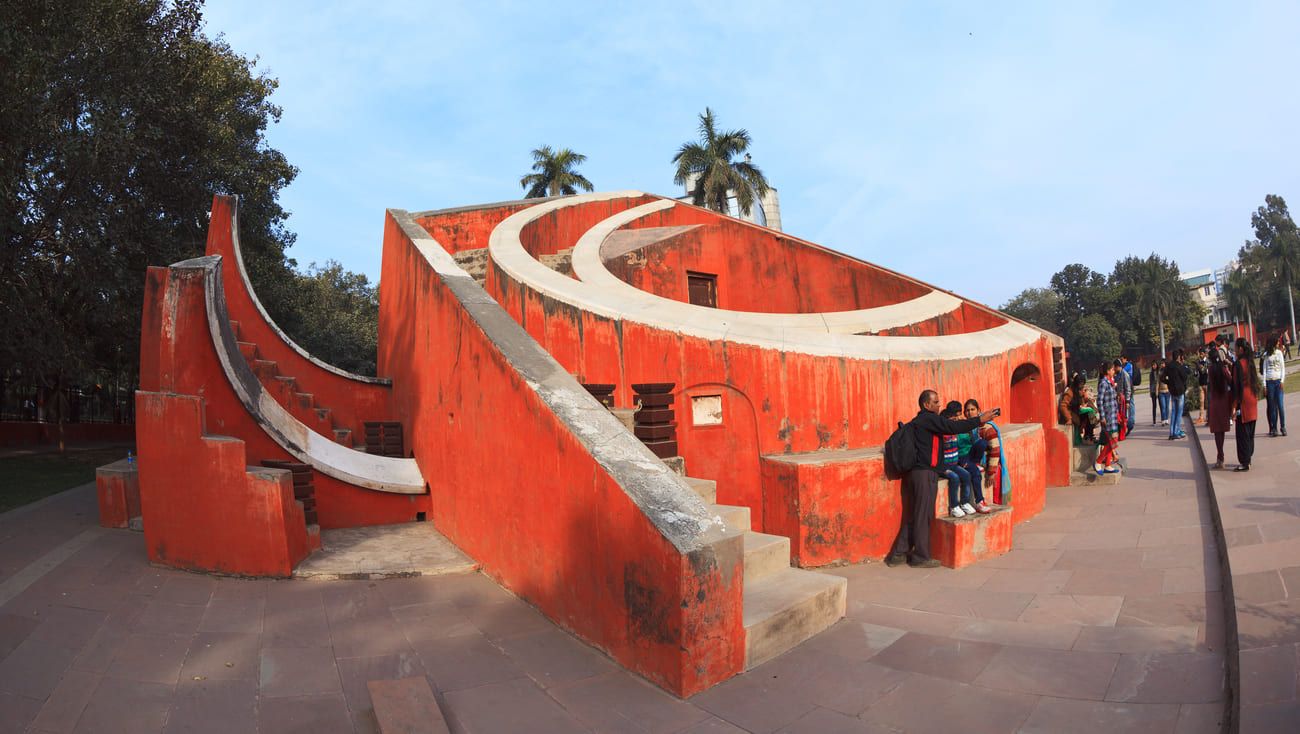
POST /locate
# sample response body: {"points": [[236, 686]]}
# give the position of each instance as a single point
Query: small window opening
{"points": [[702, 289]]}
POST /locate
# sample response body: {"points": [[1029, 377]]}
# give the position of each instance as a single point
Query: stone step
{"points": [[343, 436], [707, 489], [265, 369], [765, 555], [787, 607], [323, 414], [234, 327], [624, 416], [406, 706], [1091, 479], [959, 542], [734, 517], [248, 349], [306, 400]]}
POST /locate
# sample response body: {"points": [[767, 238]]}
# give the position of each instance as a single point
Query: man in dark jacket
{"points": [[922, 482]]}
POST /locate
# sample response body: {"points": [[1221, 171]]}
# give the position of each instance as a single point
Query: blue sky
{"points": [[977, 146]]}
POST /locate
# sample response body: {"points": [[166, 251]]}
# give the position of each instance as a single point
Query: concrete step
{"points": [[324, 414], [677, 464], [1090, 479], [734, 517], [265, 369], [707, 489], [765, 555], [306, 400], [343, 436], [787, 607], [406, 706], [248, 349]]}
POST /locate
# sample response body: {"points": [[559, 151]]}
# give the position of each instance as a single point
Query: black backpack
{"points": [[1137, 376], [900, 451]]}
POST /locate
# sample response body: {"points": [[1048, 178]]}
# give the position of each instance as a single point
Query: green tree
{"points": [[1081, 290], [555, 173], [709, 166], [1159, 292], [1276, 247], [1091, 340], [337, 316], [1244, 295], [1038, 306], [118, 121]]}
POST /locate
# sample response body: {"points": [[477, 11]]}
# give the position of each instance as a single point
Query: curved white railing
{"points": [[380, 473], [803, 333]]}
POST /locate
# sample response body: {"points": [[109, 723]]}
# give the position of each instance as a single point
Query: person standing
{"points": [[922, 482], [1175, 378], [1245, 403], [1124, 390], [1218, 414], [1134, 377], [1108, 408], [1202, 382], [1164, 392], [1274, 374], [1153, 386]]}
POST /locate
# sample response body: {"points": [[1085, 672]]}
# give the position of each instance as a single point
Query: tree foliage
{"points": [[1275, 252], [1091, 340], [118, 121], [336, 314], [555, 174], [1038, 306], [714, 175], [1080, 289]]}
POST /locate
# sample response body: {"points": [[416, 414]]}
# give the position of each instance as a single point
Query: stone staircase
{"points": [[284, 389], [783, 606], [1081, 472]]}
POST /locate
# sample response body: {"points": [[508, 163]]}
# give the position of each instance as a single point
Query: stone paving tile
{"points": [[1063, 715], [514, 705], [1179, 556], [942, 657], [1200, 718], [1026, 559], [826, 721], [17, 712], [151, 658], [554, 656], [1191, 580], [465, 661], [163, 617], [1168, 678], [223, 656], [925, 705], [379, 635], [187, 588], [1269, 674], [239, 614], [355, 673], [1184, 638], [298, 671], [977, 603], [1170, 609], [1062, 673], [830, 681], [63, 708], [854, 640], [214, 707], [13, 630], [714, 725], [1115, 582], [34, 669], [1263, 625], [1110, 559], [325, 714], [751, 703], [621, 701], [119, 705], [932, 623], [1027, 634], [499, 621], [1102, 539], [1073, 609], [1030, 582]]}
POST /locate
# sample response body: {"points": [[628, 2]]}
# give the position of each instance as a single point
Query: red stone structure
{"points": [[773, 367]]}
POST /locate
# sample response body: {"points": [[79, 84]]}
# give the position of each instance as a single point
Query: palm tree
{"points": [[1158, 290], [713, 175], [555, 174], [1244, 295]]}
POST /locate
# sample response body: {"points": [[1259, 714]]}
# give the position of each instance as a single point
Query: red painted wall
{"points": [[521, 494], [177, 356], [202, 509], [351, 402], [468, 229]]}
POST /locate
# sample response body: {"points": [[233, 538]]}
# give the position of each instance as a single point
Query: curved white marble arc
{"points": [[380, 473], [786, 332], [252, 295], [590, 268]]}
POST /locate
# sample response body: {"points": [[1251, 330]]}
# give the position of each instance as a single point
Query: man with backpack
{"points": [[921, 441]]}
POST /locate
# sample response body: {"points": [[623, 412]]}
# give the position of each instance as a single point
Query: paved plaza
{"points": [[1106, 616]]}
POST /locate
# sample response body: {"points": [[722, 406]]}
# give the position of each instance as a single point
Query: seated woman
{"points": [[972, 448], [959, 505]]}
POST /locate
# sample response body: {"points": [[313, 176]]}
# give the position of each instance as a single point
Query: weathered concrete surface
{"points": [[406, 706], [118, 488], [382, 551]]}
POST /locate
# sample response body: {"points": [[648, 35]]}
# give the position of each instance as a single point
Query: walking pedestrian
{"points": [[1218, 414], [1175, 378], [1245, 398], [1274, 374], [1134, 379]]}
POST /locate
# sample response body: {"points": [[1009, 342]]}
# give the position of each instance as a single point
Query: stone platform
{"points": [[384, 551]]}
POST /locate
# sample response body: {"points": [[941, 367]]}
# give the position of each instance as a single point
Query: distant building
{"points": [[1207, 286], [766, 211]]}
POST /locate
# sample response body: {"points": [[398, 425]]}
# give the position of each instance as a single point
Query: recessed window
{"points": [[702, 289], [706, 410]]}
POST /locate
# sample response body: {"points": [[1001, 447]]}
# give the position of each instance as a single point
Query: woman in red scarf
{"points": [[1245, 403]]}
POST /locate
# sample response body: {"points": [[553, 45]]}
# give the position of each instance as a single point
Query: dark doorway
{"points": [[702, 289]]}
